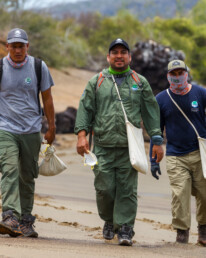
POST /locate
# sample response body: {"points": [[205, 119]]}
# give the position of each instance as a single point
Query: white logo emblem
{"points": [[17, 33], [176, 63], [119, 41]]}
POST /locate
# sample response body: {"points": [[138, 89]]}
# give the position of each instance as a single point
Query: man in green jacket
{"points": [[100, 109]]}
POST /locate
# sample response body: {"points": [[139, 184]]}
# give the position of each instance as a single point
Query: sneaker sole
{"points": [[4, 229], [182, 242], [125, 242], [201, 243], [108, 238], [34, 235]]}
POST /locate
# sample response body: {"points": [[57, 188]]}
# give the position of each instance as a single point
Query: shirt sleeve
{"points": [[87, 108], [204, 96], [162, 120], [46, 79], [150, 112], [162, 124]]}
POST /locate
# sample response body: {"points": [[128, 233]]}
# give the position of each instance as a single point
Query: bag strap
{"points": [[1, 70], [134, 75], [183, 113], [136, 78], [38, 67], [100, 80], [115, 84], [38, 70]]}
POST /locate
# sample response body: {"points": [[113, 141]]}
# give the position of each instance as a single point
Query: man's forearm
{"points": [[49, 113], [82, 133]]}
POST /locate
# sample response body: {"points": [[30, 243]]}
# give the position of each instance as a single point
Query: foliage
{"points": [[5, 20], [176, 33], [76, 41], [198, 12], [123, 25], [44, 38]]}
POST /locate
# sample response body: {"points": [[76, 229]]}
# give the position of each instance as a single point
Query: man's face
{"points": [[119, 58], [177, 72], [17, 51]]}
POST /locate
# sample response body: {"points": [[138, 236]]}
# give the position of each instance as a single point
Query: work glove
{"points": [[155, 168]]}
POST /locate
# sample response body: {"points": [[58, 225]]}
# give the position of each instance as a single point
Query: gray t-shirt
{"points": [[19, 109]]}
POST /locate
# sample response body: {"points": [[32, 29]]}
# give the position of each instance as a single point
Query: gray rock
{"points": [[65, 121], [150, 59]]}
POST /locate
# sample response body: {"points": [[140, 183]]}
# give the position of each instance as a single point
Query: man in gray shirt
{"points": [[20, 126]]}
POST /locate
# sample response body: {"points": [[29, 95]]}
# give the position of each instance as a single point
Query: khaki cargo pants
{"points": [[186, 179], [19, 166]]}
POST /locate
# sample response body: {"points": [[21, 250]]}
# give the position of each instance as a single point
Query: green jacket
{"points": [[101, 109]]}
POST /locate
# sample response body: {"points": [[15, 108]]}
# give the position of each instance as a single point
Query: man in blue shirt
{"points": [[182, 150]]}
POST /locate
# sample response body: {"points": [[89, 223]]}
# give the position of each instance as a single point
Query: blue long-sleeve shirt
{"points": [[181, 137]]}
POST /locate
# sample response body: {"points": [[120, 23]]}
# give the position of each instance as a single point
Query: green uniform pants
{"points": [[116, 186], [186, 179], [19, 166]]}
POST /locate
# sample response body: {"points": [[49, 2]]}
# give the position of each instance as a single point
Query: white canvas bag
{"points": [[201, 141], [51, 165], [135, 138]]}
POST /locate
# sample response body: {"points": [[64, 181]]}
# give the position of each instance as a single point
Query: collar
{"points": [[112, 71], [16, 65]]}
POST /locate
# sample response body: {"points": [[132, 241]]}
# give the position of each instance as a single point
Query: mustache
{"points": [[119, 59]]}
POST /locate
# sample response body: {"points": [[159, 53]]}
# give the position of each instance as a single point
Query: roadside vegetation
{"points": [[83, 42]]}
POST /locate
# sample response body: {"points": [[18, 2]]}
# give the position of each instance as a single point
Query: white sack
{"points": [[202, 147], [51, 165], [137, 153]]}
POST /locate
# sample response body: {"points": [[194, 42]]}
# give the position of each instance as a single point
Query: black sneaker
{"points": [[108, 231], [10, 224], [202, 234], [125, 235], [27, 226], [182, 236]]}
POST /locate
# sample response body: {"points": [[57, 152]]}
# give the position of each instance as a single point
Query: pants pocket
{"points": [[35, 168], [171, 163], [2, 155]]}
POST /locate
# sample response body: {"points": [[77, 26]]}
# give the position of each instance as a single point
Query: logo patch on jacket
{"points": [[135, 87]]}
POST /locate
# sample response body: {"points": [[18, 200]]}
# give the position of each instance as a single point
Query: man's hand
{"points": [[155, 168], [82, 144], [50, 135], [157, 152]]}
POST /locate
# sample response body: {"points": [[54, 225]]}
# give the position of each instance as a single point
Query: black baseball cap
{"points": [[17, 35], [119, 42]]}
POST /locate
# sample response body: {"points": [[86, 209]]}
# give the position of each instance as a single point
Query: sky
{"points": [[39, 3]]}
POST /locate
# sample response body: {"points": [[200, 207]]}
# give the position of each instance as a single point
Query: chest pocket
{"points": [[136, 93]]}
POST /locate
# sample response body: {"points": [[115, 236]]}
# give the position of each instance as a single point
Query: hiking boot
{"points": [[202, 235], [108, 231], [125, 235], [10, 224], [27, 225], [182, 236]]}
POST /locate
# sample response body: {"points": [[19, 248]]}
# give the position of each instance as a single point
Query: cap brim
{"points": [[117, 45], [17, 40], [175, 68]]}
